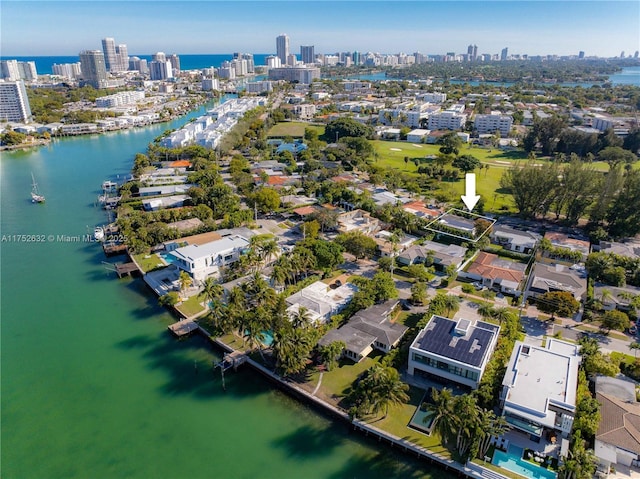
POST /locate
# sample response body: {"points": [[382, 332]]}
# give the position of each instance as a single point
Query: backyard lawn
{"points": [[191, 306], [148, 262]]}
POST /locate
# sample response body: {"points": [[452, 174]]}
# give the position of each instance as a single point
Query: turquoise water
{"points": [[93, 385], [512, 461], [169, 258]]}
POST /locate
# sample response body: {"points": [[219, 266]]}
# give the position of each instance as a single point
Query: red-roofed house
{"points": [[180, 164], [420, 209], [305, 211], [494, 271]]}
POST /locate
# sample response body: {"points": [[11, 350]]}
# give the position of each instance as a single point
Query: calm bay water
{"points": [[93, 385]]}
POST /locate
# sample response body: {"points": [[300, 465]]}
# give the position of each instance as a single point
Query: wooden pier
{"points": [[112, 249], [184, 327], [124, 269]]}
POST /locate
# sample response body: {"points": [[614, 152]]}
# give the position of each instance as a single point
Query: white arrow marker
{"points": [[470, 198]]}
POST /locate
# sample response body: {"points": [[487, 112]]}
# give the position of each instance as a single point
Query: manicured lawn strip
{"points": [[191, 306], [287, 128], [335, 383], [594, 327], [398, 419], [148, 262]]}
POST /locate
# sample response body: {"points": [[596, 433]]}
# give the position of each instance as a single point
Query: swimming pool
{"points": [[512, 461], [169, 258]]}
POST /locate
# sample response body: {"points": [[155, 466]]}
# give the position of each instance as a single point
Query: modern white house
{"points": [[321, 301], [201, 261], [539, 387], [453, 350]]}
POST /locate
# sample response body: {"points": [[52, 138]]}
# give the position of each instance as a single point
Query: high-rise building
{"points": [[175, 63], [123, 58], [622, 54], [273, 62], [282, 48], [504, 54], [356, 58], [635, 55], [28, 71], [581, 54], [67, 70], [307, 54], [94, 71], [160, 70], [9, 70], [472, 52], [110, 55], [159, 57], [14, 103]]}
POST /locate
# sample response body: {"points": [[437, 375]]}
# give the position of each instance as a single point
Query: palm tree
{"points": [[502, 314], [605, 295], [211, 291], [441, 409], [301, 318], [391, 391], [635, 346], [185, 281], [486, 310], [451, 303], [491, 426]]}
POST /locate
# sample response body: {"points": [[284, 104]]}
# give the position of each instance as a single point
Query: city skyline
{"points": [[431, 27]]}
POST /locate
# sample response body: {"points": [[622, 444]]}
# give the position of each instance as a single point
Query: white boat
{"points": [[98, 233], [108, 185], [36, 197]]}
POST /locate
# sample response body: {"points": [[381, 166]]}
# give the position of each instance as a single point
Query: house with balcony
{"points": [[453, 350], [357, 220], [539, 388], [202, 261]]}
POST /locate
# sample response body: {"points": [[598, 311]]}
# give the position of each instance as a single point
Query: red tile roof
{"points": [[180, 164], [483, 266]]}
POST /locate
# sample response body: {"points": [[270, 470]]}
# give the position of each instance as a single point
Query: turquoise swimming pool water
{"points": [[512, 461], [167, 257]]}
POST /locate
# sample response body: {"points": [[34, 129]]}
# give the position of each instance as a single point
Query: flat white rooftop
{"points": [[537, 377]]}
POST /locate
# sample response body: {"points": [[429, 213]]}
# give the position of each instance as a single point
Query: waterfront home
{"points": [[164, 190], [357, 220], [618, 436], [202, 261], [453, 350], [321, 301], [165, 202], [442, 255], [514, 240], [496, 272], [367, 330], [546, 278], [539, 387]]}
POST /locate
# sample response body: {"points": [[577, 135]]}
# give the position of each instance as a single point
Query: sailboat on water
{"points": [[36, 197]]}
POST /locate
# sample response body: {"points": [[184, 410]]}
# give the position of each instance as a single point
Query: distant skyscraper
{"points": [[635, 55], [14, 103], [355, 56], [282, 48], [581, 54], [472, 51], [110, 55], [622, 54], [68, 70], [123, 58], [504, 54], [159, 57], [92, 65], [307, 54], [175, 63]]}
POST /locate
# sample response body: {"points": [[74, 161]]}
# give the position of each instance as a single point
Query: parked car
{"points": [[477, 285]]}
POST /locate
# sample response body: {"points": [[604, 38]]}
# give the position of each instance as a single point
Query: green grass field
{"points": [[288, 128]]}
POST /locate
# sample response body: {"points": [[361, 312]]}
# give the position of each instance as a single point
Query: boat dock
{"points": [[112, 249], [182, 328], [124, 269]]}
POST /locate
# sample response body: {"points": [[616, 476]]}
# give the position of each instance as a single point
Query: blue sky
{"points": [[602, 28]]}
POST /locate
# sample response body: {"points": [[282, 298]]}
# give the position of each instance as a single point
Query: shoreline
{"points": [[290, 388]]}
